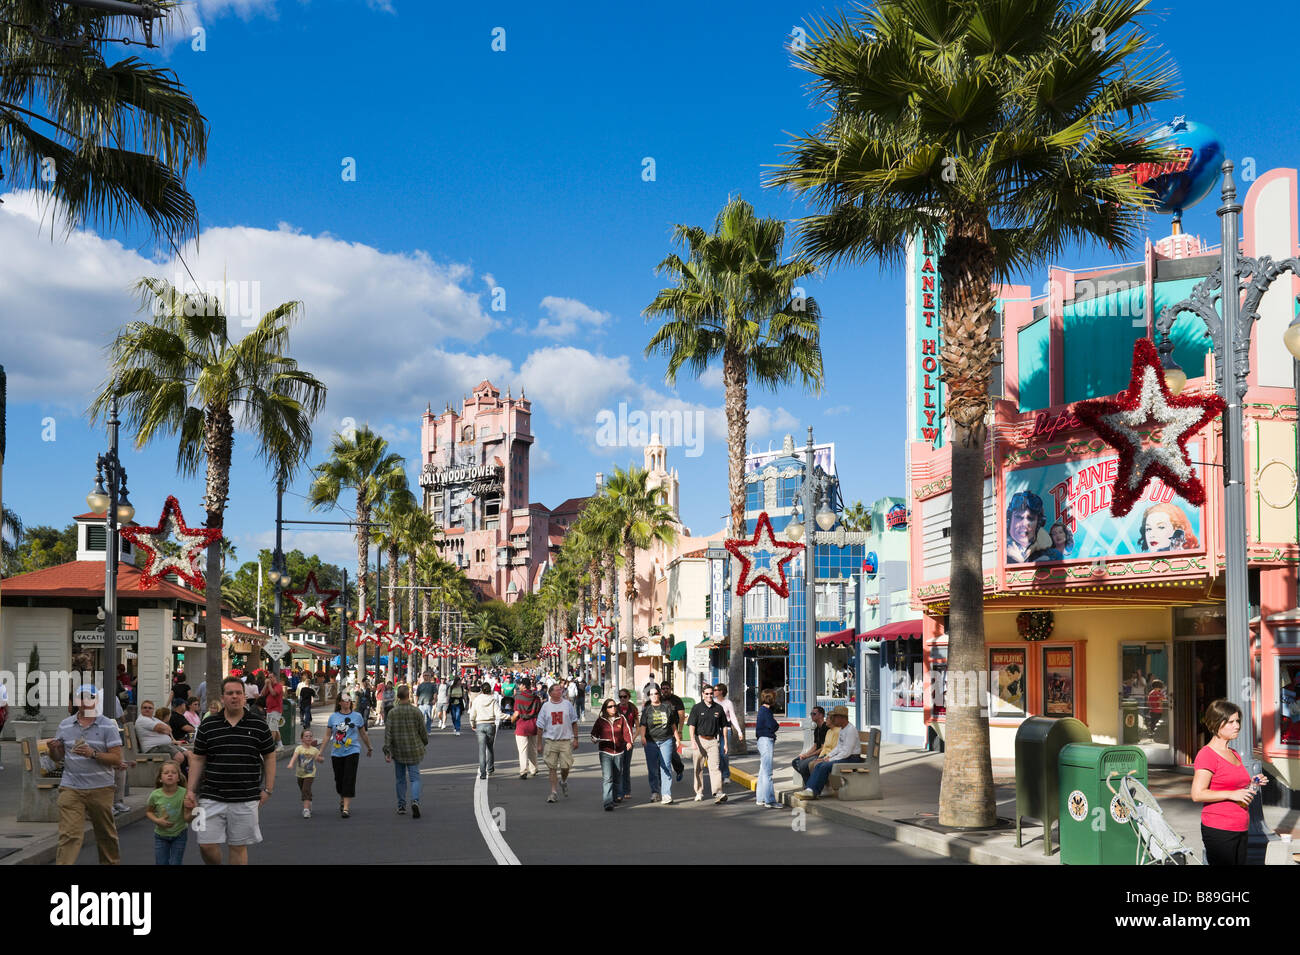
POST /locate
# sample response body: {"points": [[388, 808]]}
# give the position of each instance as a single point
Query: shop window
{"points": [[939, 667], [1288, 709], [903, 657]]}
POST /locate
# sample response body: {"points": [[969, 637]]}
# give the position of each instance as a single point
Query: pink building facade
{"points": [[474, 479]]}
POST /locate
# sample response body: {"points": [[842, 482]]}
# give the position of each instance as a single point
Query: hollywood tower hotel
{"points": [[474, 477]]}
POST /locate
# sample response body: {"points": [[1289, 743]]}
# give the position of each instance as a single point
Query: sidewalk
{"points": [[34, 843], [908, 814]]}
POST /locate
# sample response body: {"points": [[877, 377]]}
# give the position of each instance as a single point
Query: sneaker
{"points": [[482, 775], [415, 810], [564, 786], [699, 797], [666, 800], [609, 808], [720, 799], [551, 798], [523, 775], [121, 807], [306, 813], [806, 794], [346, 814], [457, 732], [401, 810], [654, 797]]}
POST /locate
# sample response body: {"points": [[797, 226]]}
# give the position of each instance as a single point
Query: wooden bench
{"points": [[855, 781], [145, 771], [40, 796]]}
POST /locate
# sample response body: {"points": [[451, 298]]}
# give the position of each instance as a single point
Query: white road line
{"points": [[487, 826]]}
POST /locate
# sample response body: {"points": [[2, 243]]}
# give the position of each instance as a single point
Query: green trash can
{"points": [[687, 705], [289, 725], [1039, 742], [1094, 828]]}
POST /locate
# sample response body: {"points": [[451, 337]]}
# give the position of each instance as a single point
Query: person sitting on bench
{"points": [[847, 749], [823, 740], [155, 735]]}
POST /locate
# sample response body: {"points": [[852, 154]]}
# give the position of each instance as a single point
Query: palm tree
{"points": [[11, 536], [994, 127], [487, 632], [182, 374], [120, 136], [364, 463], [448, 585], [394, 512], [856, 517], [735, 300], [644, 520]]}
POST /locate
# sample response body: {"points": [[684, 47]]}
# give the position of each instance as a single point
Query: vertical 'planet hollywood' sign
{"points": [[923, 303]]}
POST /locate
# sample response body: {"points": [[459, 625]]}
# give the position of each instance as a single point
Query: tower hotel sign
{"points": [[483, 478], [924, 392]]}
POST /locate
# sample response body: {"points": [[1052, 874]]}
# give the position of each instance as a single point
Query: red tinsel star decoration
{"points": [[312, 601], [367, 630], [764, 541], [187, 564], [1148, 400], [597, 634]]}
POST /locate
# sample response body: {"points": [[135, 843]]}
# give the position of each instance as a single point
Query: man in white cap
{"points": [[90, 746], [847, 749]]}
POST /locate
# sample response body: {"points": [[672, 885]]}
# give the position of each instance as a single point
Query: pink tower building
{"points": [[474, 475]]}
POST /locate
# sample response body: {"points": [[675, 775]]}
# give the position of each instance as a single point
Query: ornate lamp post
{"points": [[1229, 334], [113, 503]]}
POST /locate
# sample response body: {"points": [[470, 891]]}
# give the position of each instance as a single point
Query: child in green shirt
{"points": [[170, 817], [304, 760]]}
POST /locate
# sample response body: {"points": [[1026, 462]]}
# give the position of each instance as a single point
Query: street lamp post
{"points": [[1230, 340], [115, 505], [279, 575]]}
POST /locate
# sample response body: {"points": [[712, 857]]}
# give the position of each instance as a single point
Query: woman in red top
{"points": [[613, 737], [1223, 784]]}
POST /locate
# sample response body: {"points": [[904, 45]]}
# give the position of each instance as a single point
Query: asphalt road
{"points": [[515, 817]]}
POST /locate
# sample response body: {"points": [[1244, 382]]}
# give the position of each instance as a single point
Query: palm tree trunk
{"points": [[363, 562], [966, 795], [410, 613], [629, 590], [736, 385], [393, 619], [218, 438]]}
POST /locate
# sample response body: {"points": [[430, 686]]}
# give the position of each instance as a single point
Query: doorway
{"points": [[1200, 676], [1147, 705], [765, 673]]}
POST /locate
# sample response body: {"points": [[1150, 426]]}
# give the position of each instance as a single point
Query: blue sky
{"points": [[520, 170]]}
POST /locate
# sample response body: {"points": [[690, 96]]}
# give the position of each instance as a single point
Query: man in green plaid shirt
{"points": [[405, 738]]}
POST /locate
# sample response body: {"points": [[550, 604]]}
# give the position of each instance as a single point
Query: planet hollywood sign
{"points": [[924, 370], [482, 478]]}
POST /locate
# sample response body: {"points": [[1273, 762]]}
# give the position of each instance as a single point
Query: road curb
{"points": [[965, 847]]}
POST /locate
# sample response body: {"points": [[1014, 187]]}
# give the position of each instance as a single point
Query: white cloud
{"points": [[712, 377], [565, 316], [838, 410], [66, 298]]}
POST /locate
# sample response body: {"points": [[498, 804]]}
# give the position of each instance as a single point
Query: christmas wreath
{"points": [[1035, 625]]}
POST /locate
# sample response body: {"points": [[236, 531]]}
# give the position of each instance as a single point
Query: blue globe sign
{"points": [[870, 563], [1188, 179]]}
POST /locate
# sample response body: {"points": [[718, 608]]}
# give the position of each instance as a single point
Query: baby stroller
{"points": [[1158, 844]]}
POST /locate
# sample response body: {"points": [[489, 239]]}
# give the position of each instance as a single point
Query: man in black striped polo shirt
{"points": [[232, 772]]}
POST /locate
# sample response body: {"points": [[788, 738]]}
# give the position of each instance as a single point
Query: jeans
{"points": [[306, 715], [801, 767], [427, 710], [403, 772], [169, 850], [487, 757], [659, 765], [766, 792], [724, 764], [455, 716], [610, 764], [625, 773], [817, 781]]}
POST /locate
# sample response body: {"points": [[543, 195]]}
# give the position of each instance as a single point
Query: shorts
{"points": [[304, 787], [558, 754], [227, 823]]}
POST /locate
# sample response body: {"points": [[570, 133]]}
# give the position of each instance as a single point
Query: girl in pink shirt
{"points": [[1222, 783]]}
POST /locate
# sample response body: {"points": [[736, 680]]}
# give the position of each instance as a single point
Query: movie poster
{"points": [[1007, 672], [1058, 681], [1061, 512]]}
